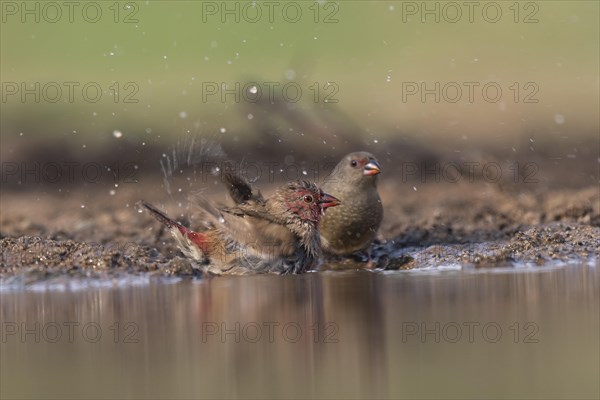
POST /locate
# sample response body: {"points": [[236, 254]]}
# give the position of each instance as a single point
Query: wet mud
{"points": [[89, 233]]}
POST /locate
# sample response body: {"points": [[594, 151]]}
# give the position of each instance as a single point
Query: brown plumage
{"points": [[277, 235], [353, 225]]}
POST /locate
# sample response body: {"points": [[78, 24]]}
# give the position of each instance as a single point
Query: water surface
{"points": [[434, 334]]}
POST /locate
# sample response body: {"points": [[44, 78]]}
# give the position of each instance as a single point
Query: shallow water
{"points": [[530, 332]]}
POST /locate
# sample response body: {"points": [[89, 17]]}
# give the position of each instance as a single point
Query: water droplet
{"points": [[253, 90], [415, 188], [290, 74], [183, 115], [559, 119], [112, 192], [118, 134], [223, 130], [250, 116]]}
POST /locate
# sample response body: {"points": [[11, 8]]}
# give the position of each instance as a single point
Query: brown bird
{"points": [[352, 226], [274, 235]]}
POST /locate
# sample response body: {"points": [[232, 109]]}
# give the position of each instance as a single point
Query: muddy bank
{"points": [[96, 233]]}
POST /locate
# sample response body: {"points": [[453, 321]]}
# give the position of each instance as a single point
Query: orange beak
{"points": [[371, 168]]}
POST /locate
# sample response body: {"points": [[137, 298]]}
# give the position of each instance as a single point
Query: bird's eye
{"points": [[353, 163], [308, 199]]}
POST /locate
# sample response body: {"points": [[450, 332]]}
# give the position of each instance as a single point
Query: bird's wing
{"points": [[249, 222], [205, 210], [253, 226], [240, 189]]}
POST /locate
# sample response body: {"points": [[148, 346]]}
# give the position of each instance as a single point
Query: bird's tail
{"points": [[188, 241], [160, 216]]}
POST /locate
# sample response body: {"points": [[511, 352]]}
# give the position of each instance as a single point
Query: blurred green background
{"points": [[162, 54], [368, 51]]}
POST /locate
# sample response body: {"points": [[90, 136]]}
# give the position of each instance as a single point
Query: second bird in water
{"points": [[353, 225]]}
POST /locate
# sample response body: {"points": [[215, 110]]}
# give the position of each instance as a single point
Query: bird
{"points": [[353, 225], [277, 235]]}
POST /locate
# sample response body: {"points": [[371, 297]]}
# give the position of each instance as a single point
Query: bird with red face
{"points": [[353, 225], [274, 235]]}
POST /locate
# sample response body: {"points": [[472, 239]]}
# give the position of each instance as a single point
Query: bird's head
{"points": [[357, 168], [305, 201]]}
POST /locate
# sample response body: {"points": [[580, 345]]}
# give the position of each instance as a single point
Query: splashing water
{"points": [[192, 152]]}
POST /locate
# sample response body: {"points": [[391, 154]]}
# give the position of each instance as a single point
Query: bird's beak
{"points": [[371, 168], [327, 201]]}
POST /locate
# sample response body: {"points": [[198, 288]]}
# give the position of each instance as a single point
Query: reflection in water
{"points": [[333, 334]]}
